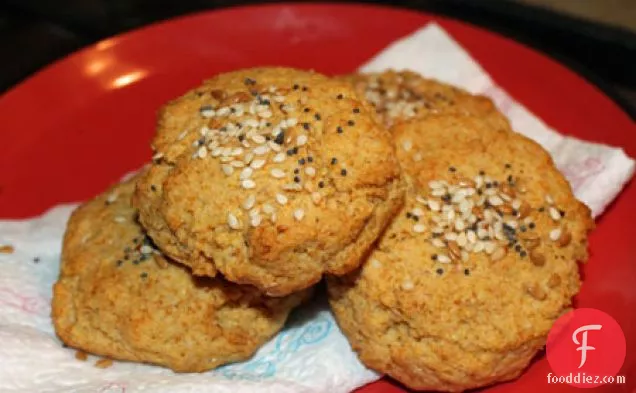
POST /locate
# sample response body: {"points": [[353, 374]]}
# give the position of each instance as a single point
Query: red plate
{"points": [[81, 123]]}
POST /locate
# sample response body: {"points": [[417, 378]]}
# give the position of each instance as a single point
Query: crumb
{"points": [[161, 263], [104, 363], [6, 249], [81, 355]]}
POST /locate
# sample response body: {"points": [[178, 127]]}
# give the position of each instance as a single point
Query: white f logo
{"points": [[584, 347]]}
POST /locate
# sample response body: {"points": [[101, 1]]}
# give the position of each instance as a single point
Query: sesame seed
{"points": [[237, 164], [278, 158], [233, 222], [340, 96], [260, 139], [419, 228], [334, 161], [268, 209], [249, 202], [255, 220], [182, 135], [436, 185], [202, 152], [248, 184], [277, 173], [407, 145], [339, 130], [120, 219], [452, 169], [246, 173], [479, 247], [301, 140], [549, 200], [310, 171], [438, 243], [441, 258], [351, 123], [495, 200], [261, 150], [227, 169], [555, 234], [292, 187], [554, 213], [256, 164], [112, 198], [281, 199], [316, 197], [407, 285], [439, 271], [418, 212], [207, 111], [292, 122], [299, 214]]}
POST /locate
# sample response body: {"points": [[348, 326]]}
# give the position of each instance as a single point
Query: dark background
{"points": [[33, 33]]}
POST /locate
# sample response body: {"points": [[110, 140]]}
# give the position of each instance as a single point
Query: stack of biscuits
{"points": [[448, 242]]}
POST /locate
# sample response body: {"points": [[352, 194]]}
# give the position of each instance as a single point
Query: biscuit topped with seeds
{"points": [[272, 176], [119, 297], [462, 288], [399, 96]]}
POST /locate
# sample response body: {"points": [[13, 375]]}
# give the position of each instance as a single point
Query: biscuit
{"points": [[399, 96], [462, 288], [118, 297], [271, 176]]}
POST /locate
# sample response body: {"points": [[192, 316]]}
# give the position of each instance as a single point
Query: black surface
{"points": [[33, 33]]}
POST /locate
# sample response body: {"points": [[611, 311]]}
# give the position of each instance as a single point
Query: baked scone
{"points": [[117, 296], [271, 176], [400, 96], [466, 282]]}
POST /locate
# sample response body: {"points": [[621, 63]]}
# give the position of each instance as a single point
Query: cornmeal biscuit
{"points": [[271, 176], [405, 95], [467, 280], [118, 297]]}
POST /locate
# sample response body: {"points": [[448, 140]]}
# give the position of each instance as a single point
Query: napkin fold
{"points": [[310, 355]]}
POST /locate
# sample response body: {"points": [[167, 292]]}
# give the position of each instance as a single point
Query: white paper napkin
{"points": [[310, 355]]}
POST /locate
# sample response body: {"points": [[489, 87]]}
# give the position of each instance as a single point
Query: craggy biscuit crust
{"points": [[272, 176], [118, 297], [400, 96], [466, 282]]}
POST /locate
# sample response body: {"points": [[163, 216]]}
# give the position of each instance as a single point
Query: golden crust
{"points": [[118, 297], [400, 96], [433, 310], [274, 213]]}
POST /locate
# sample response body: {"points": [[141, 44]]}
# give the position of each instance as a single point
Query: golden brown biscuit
{"points": [[466, 282], [117, 296], [400, 96], [272, 176]]}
